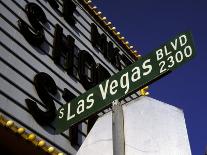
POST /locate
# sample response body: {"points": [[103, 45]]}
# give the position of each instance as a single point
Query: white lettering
{"points": [[113, 85], [162, 66], [80, 108], [103, 92], [179, 56], [159, 54], [90, 100], [190, 51], [166, 51], [124, 82], [147, 66], [69, 117], [170, 59], [174, 45], [62, 113], [136, 75], [183, 40]]}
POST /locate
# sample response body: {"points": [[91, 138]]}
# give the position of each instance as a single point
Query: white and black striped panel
{"points": [[20, 62]]}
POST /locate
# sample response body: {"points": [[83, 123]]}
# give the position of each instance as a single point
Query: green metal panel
{"points": [[158, 63]]}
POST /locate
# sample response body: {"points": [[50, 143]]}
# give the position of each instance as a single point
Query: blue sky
{"points": [[147, 24]]}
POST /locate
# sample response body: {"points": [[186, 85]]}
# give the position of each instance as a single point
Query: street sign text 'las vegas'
{"points": [[141, 73]]}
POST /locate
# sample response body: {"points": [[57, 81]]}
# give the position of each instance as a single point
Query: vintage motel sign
{"points": [[137, 75]]}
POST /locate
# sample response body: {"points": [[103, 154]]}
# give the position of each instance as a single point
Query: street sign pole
{"points": [[118, 129]]}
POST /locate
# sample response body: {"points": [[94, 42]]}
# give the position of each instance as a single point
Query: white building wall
{"points": [[151, 127]]}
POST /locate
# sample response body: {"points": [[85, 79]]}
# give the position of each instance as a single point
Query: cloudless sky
{"points": [[146, 24]]}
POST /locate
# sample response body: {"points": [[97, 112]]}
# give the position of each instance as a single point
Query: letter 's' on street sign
{"points": [[142, 72]]}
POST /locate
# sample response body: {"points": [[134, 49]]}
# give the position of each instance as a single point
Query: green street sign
{"points": [[158, 63]]}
